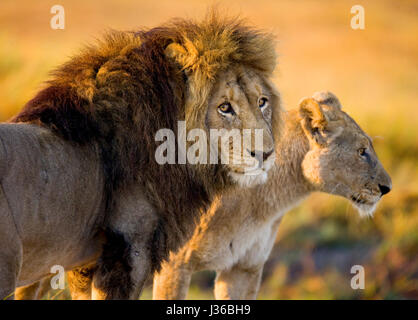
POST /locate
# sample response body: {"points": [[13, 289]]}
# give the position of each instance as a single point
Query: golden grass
{"points": [[373, 71]]}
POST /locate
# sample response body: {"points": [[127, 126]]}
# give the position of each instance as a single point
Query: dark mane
{"points": [[120, 92]]}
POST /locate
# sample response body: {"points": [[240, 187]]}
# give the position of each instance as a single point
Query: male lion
{"points": [[78, 166], [322, 149]]}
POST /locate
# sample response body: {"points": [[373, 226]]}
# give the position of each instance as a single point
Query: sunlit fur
{"points": [[114, 96], [235, 236], [317, 151], [333, 164]]}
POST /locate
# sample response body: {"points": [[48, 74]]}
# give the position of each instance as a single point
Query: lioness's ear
{"points": [[328, 98], [313, 120]]}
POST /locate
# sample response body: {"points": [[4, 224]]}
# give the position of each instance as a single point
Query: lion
{"points": [[80, 183], [322, 149]]}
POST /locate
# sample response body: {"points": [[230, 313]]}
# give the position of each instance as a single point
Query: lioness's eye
{"points": [[362, 152], [225, 108], [262, 102]]}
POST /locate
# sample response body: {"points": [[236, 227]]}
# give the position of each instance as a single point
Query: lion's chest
{"points": [[250, 244]]}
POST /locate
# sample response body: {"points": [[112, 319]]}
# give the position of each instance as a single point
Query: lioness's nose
{"points": [[384, 189], [261, 155]]}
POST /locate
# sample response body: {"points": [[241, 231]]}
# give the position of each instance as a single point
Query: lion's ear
{"points": [[313, 120], [175, 51], [181, 56]]}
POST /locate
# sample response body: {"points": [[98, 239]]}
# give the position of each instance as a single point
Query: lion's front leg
{"points": [[238, 283], [173, 280], [122, 270], [242, 281], [80, 282], [127, 260]]}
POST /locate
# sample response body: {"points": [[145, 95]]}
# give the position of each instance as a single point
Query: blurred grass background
{"points": [[374, 72]]}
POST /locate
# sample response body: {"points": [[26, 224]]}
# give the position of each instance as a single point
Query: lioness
{"points": [[78, 167], [322, 149]]}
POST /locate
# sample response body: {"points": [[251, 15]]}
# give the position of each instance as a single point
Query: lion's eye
{"points": [[262, 102], [225, 108], [362, 152]]}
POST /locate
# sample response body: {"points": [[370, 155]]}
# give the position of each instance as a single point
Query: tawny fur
{"points": [[111, 100], [51, 204], [318, 152]]}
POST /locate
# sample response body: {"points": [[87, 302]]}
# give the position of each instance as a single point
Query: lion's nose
{"points": [[384, 189], [261, 155]]}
